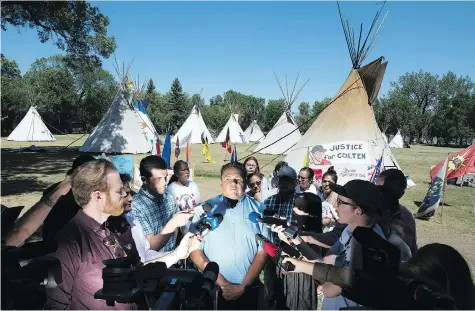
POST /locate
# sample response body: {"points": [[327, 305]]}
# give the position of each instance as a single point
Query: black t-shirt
{"points": [[61, 213]]}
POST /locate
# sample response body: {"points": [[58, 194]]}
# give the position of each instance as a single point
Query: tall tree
{"points": [[197, 100], [318, 106], [10, 69], [303, 119], [178, 105], [150, 87], [76, 27], [216, 100], [274, 110]]}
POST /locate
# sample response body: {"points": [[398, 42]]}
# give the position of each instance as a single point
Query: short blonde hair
{"points": [[90, 177]]}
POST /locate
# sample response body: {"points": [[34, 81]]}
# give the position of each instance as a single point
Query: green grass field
{"points": [[26, 174]]}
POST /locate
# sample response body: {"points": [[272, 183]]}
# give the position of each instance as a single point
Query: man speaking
{"points": [[233, 245]]}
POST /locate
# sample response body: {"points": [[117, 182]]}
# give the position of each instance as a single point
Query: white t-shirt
{"points": [[185, 196], [141, 243], [311, 189]]}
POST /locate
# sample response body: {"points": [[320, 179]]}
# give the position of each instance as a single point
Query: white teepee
{"points": [[122, 129], [236, 134], [253, 133], [275, 142], [31, 128], [195, 125], [285, 133], [397, 141]]}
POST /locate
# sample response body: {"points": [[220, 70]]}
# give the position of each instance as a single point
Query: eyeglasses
{"points": [[340, 202], [257, 183], [327, 182]]}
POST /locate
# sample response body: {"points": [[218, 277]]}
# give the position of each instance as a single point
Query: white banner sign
{"points": [[343, 152]]}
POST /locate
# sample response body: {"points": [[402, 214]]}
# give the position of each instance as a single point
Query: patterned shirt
{"points": [[154, 213], [233, 244], [281, 206]]}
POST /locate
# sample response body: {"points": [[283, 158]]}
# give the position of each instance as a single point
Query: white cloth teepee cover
{"points": [[31, 128], [195, 125], [236, 133]]}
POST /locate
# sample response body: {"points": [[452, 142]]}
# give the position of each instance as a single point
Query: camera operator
{"points": [[233, 245], [359, 202], [156, 210]]}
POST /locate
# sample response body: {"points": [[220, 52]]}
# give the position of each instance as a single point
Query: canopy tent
{"points": [[236, 134], [195, 125], [31, 128], [253, 133], [123, 128], [397, 141], [345, 134]]}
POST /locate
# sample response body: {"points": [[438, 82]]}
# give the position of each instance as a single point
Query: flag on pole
{"points": [[205, 151], [159, 153], [307, 156], [187, 153], [227, 142], [434, 194], [460, 164], [377, 170], [233, 155], [177, 147], [167, 149]]}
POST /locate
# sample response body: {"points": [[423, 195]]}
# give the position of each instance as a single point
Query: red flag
{"points": [[459, 164], [227, 142], [187, 153]]}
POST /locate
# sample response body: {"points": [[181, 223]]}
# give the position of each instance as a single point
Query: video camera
{"points": [[23, 285], [159, 288], [376, 279]]}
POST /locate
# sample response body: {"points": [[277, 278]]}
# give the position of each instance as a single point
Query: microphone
{"points": [[202, 210], [209, 223], [210, 275], [268, 220], [274, 253]]}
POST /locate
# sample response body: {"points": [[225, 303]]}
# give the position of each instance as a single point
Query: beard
{"points": [[113, 208]]}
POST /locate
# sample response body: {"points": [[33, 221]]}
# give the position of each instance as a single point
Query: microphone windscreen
{"points": [[212, 267], [271, 249], [254, 216]]}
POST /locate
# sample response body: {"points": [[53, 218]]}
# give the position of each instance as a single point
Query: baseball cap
{"points": [[309, 203], [365, 194], [287, 171], [318, 148]]}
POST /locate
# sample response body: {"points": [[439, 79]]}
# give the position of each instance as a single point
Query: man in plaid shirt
{"points": [[157, 211], [280, 204]]}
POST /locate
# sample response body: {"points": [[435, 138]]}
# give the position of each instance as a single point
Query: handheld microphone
{"points": [[304, 248], [202, 210], [268, 220], [210, 275], [209, 223]]}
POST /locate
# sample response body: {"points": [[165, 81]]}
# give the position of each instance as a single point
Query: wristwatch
{"points": [[245, 287]]}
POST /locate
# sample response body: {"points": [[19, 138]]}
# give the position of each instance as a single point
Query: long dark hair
{"points": [[253, 159], [176, 167], [332, 173], [446, 266]]}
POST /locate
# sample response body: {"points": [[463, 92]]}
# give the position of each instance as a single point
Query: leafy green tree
{"points": [[10, 69], [274, 110], [318, 106], [157, 110], [214, 116], [216, 100], [304, 117], [197, 100], [76, 27]]}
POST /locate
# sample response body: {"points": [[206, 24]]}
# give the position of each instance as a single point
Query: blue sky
{"points": [[219, 46]]}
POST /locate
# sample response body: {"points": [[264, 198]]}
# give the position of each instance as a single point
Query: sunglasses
{"points": [[257, 183], [112, 244]]}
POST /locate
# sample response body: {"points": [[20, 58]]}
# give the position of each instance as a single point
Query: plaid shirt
{"points": [[282, 207], [154, 213]]}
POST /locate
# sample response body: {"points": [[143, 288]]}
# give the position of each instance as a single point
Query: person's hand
{"points": [[232, 292], [300, 266], [326, 221], [63, 187], [181, 219], [188, 244], [280, 232]]}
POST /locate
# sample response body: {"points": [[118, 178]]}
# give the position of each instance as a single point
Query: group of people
{"points": [[93, 215]]}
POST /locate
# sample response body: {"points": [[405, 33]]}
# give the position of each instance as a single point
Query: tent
{"points": [[235, 131], [122, 129], [147, 126], [345, 134], [285, 133], [195, 125], [253, 133], [31, 128], [282, 137], [397, 141]]}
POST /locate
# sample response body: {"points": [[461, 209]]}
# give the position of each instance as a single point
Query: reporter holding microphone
{"points": [[358, 204], [233, 245]]}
